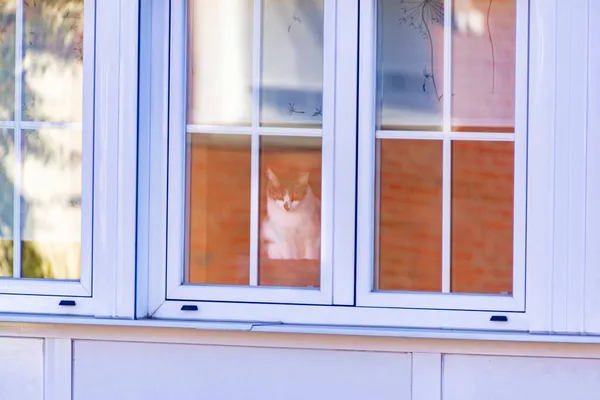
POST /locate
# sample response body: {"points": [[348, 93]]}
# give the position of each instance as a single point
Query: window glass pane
{"points": [[290, 230], [409, 237], [53, 61], [291, 92], [483, 66], [7, 59], [219, 67], [482, 217], [51, 204], [41, 168], [7, 170], [219, 209], [444, 206], [410, 72]]}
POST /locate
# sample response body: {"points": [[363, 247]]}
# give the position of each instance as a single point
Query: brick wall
{"points": [[220, 209]]}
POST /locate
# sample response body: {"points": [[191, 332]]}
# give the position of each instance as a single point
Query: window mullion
{"points": [[17, 139], [255, 143], [447, 151]]}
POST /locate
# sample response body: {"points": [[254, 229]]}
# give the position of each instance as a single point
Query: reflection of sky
{"points": [[411, 57], [406, 97]]}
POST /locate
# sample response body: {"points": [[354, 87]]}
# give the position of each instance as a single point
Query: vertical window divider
{"points": [[17, 141], [255, 143], [447, 151]]}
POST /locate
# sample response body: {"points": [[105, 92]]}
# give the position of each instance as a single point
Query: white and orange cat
{"points": [[292, 227]]}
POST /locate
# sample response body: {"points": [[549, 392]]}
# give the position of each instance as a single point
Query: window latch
{"points": [[67, 303], [189, 307], [499, 318]]}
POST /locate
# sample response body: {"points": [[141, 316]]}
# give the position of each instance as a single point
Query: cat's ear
{"points": [[303, 178], [272, 177]]}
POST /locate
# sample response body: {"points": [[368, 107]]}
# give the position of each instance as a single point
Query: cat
{"points": [[292, 228]]}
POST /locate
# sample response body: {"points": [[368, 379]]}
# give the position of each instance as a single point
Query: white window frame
{"points": [[367, 180], [108, 127], [171, 151], [153, 299], [176, 228]]}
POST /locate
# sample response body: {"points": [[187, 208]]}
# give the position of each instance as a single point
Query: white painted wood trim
{"points": [[114, 161], [592, 248], [540, 168], [155, 204], [125, 240], [58, 368], [303, 337], [145, 99], [577, 151], [344, 218]]}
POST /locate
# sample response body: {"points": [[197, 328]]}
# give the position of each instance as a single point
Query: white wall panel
{"points": [[21, 369], [519, 378], [145, 371]]}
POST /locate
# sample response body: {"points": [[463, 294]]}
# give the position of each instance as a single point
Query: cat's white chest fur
{"points": [[293, 234]]}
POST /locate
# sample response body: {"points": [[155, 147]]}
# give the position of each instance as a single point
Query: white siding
{"points": [[21, 369], [105, 370], [519, 378]]}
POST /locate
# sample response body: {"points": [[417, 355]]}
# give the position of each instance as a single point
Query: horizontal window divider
{"points": [[304, 132], [248, 130], [51, 125], [219, 129], [41, 125], [439, 135]]}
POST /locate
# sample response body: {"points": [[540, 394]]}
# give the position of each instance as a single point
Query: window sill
{"points": [[307, 329]]}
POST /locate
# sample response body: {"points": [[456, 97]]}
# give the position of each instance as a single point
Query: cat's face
{"points": [[287, 194]]}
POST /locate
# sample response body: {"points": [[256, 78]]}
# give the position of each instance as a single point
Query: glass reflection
{"points": [[291, 92], [53, 61], [7, 163], [51, 204], [410, 68], [290, 230], [483, 66], [218, 209], [409, 237], [7, 59], [482, 217], [220, 62]]}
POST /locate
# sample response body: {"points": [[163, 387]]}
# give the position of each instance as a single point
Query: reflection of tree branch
{"points": [[292, 109], [415, 15], [295, 20], [491, 46], [431, 55]]}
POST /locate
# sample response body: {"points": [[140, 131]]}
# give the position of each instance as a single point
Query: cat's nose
{"points": [[286, 206]]}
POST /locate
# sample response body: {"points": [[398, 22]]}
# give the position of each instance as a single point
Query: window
{"points": [[448, 171], [258, 143], [53, 199], [280, 114]]}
